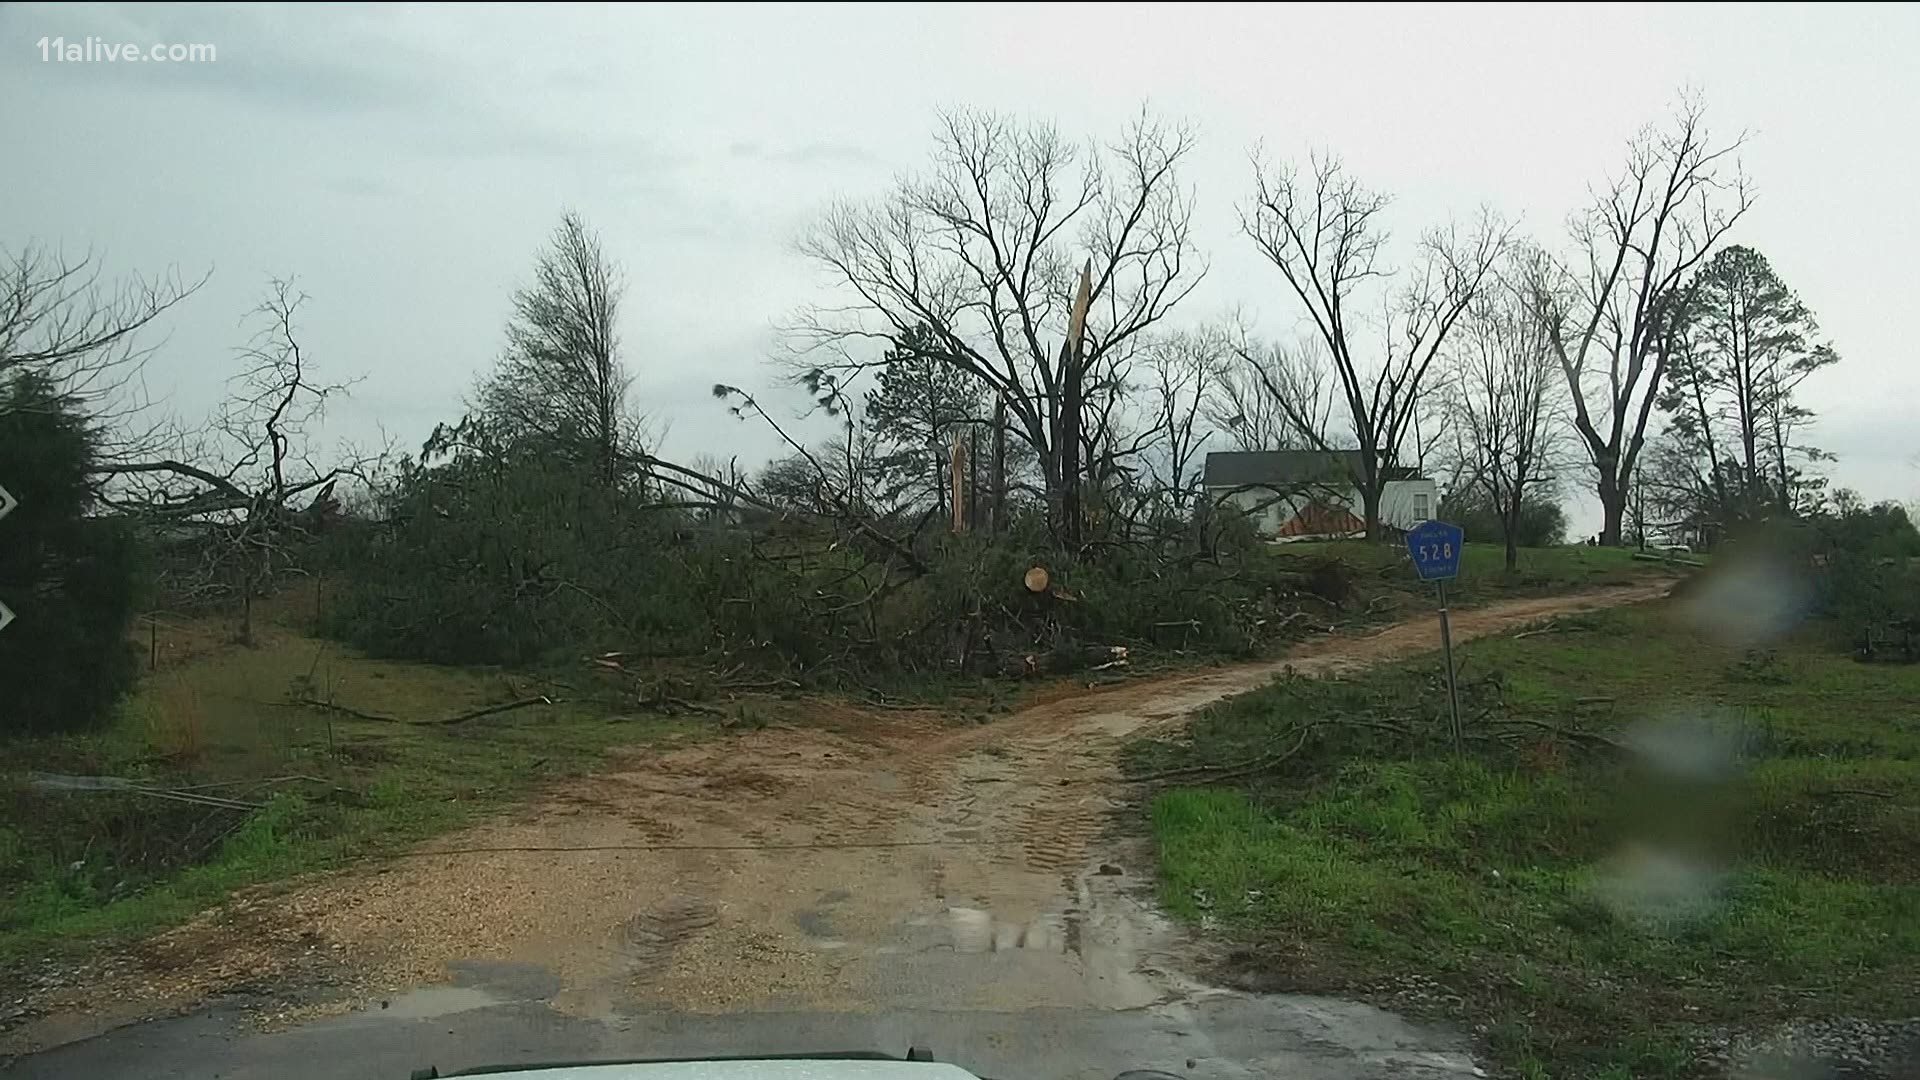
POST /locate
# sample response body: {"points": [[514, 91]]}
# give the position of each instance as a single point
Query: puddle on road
{"points": [[974, 930], [429, 1002]]}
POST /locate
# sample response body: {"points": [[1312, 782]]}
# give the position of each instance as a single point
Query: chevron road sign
{"points": [[7, 503]]}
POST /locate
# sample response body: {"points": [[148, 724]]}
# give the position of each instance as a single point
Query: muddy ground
{"points": [[875, 864]]}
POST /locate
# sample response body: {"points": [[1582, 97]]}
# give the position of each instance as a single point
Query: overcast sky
{"points": [[405, 164]]}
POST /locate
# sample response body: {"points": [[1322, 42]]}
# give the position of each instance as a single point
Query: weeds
{"points": [[78, 870], [1762, 666], [1749, 852], [1483, 574]]}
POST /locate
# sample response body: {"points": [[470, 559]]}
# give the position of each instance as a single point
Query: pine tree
{"points": [[68, 575], [1739, 345], [922, 403]]}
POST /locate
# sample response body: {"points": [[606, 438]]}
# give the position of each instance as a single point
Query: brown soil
{"points": [[875, 861]]}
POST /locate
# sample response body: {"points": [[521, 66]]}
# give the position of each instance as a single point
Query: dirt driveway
{"points": [[892, 861]]}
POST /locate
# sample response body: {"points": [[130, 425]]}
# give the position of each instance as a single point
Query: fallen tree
{"points": [[478, 557]]}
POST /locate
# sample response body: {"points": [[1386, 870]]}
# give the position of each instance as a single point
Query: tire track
{"points": [[993, 903]]}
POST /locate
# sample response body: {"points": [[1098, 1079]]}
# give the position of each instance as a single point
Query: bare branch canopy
{"points": [[1324, 232]]}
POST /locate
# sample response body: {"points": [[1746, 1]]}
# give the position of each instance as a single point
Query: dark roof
{"points": [[1240, 468]]}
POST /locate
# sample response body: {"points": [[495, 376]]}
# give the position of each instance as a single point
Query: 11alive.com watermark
{"points": [[93, 50]]}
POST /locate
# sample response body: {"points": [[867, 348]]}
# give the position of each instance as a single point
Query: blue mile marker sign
{"points": [[1435, 547]]}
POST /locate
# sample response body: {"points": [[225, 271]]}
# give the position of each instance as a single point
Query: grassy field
{"points": [[81, 869], [237, 722], [1483, 573], [1699, 839]]}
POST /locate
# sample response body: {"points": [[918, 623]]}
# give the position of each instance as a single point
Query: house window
{"points": [[1421, 510]]}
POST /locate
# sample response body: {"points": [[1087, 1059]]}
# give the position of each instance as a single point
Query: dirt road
{"points": [[887, 862]]}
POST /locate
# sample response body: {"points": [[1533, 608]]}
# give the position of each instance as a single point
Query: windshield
{"points": [[946, 540]]}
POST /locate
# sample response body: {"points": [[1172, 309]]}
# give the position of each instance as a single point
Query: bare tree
{"points": [[841, 471], [1674, 494], [721, 502], [1323, 234], [1676, 197], [1238, 405], [61, 318], [985, 250], [1294, 384], [251, 455], [246, 485], [1183, 368], [790, 483], [561, 382], [1505, 389]]}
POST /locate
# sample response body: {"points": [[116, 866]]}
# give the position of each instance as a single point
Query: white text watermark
{"points": [[93, 50]]}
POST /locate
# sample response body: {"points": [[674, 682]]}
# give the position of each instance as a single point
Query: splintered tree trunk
{"points": [[973, 476], [1073, 361], [1069, 452]]}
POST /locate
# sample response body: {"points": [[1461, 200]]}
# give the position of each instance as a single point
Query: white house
{"points": [[1301, 494]]}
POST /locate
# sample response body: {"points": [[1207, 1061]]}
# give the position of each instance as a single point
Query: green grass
{"points": [[79, 871], [1593, 912], [1483, 573]]}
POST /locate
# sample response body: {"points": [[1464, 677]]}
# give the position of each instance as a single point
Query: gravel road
{"points": [[847, 879]]}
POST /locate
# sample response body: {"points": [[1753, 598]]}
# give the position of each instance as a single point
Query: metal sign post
{"points": [[1446, 647], [1435, 547]]}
